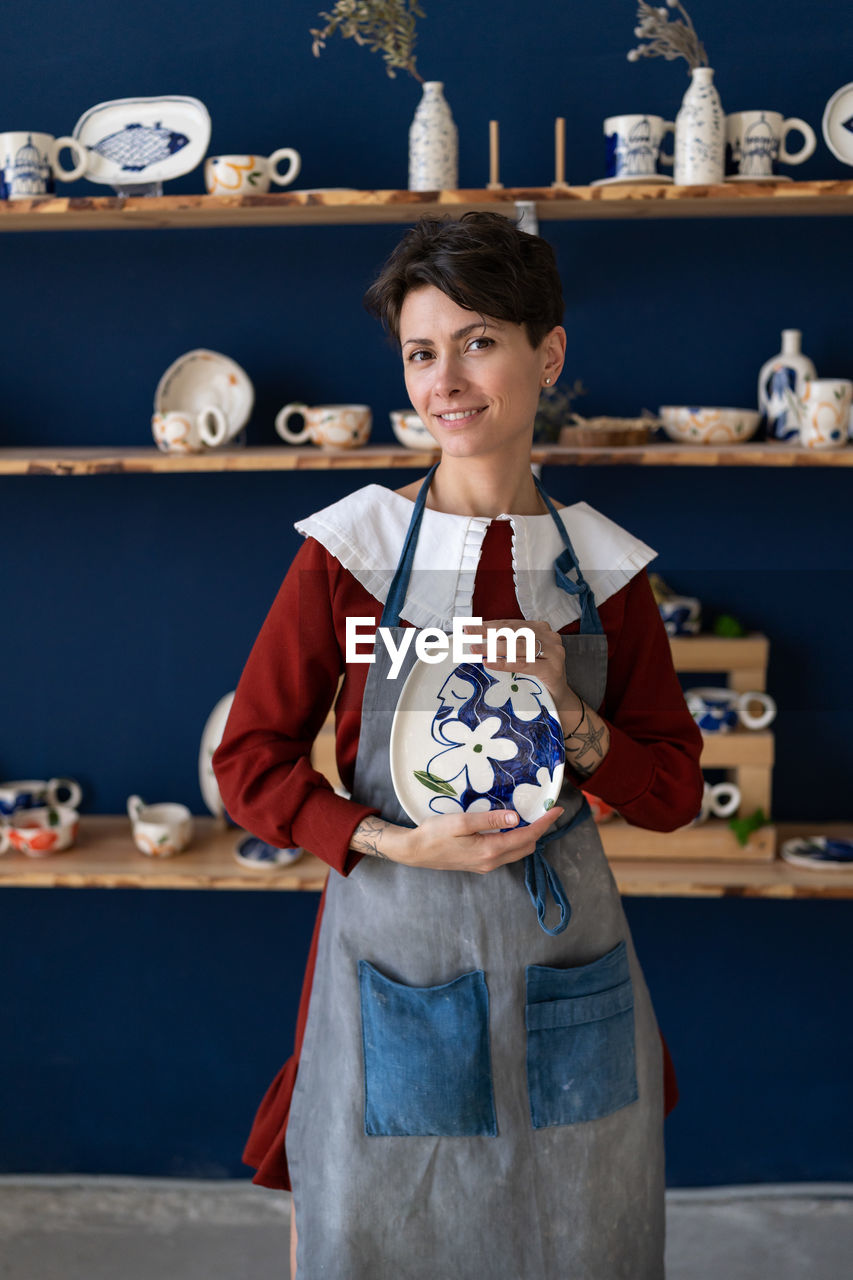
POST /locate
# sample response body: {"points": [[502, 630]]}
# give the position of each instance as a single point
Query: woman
{"points": [[480, 1075]]}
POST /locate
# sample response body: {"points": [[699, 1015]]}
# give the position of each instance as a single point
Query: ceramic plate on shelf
{"points": [[650, 180], [467, 739], [251, 851], [200, 378], [770, 177], [210, 740], [837, 124], [135, 141], [819, 853]]}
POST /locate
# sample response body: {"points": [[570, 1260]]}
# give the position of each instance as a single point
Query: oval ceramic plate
{"points": [[819, 854], [135, 141], [628, 180], [467, 739], [200, 378], [253, 852], [837, 124], [210, 740]]}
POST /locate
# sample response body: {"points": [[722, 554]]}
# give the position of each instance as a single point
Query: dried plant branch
{"points": [[385, 26], [667, 39]]}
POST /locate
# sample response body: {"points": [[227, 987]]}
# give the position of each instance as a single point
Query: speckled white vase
{"points": [[433, 143], [700, 132]]}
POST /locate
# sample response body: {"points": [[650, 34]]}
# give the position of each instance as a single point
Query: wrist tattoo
{"points": [[367, 836], [585, 746]]}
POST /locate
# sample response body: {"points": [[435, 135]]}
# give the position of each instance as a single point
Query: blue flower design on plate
{"points": [[499, 745]]}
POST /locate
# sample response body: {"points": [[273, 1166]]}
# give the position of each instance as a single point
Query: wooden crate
{"points": [[745, 755]]}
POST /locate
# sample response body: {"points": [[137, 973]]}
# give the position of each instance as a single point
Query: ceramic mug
{"points": [[823, 413], [250, 175], [159, 830], [634, 145], [682, 615], [718, 801], [410, 430], [40, 832], [757, 140], [719, 710], [37, 795], [178, 432], [337, 426], [30, 161]]}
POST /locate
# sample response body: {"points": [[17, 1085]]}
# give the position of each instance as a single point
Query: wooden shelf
{"points": [[105, 858], [323, 208], [140, 460]]}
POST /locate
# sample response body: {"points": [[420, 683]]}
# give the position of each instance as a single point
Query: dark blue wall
{"points": [[139, 1029]]}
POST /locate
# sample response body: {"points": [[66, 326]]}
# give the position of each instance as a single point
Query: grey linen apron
{"points": [[479, 1094]]}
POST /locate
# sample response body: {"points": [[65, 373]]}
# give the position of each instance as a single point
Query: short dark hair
{"points": [[483, 262]]}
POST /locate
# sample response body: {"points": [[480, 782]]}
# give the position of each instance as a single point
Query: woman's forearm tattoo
{"points": [[368, 835], [588, 744]]}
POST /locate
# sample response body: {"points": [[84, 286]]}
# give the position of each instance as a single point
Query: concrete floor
{"points": [[152, 1229]]}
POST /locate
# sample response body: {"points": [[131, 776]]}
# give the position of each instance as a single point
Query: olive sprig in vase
{"points": [[389, 27], [700, 124]]}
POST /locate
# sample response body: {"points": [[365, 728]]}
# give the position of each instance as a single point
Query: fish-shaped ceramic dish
{"points": [[138, 141], [465, 739]]}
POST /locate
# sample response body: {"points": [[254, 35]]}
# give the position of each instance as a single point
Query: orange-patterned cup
{"points": [[334, 426]]}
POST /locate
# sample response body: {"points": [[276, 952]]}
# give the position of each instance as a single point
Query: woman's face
{"points": [[475, 385]]}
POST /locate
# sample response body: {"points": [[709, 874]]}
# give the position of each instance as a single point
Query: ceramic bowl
{"points": [[689, 424], [40, 832], [410, 431], [200, 378], [253, 852]]}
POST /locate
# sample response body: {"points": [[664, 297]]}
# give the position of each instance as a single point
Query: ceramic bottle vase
{"points": [[700, 132], [433, 143], [780, 376]]}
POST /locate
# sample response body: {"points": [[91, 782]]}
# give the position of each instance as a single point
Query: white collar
{"points": [[365, 532]]}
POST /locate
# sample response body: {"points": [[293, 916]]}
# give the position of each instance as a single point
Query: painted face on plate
{"points": [[473, 380]]}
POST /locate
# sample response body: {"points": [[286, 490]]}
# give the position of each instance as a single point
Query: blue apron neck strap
{"points": [[567, 563], [400, 582]]}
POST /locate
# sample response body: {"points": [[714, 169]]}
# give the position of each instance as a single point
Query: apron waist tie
{"points": [[540, 876]]}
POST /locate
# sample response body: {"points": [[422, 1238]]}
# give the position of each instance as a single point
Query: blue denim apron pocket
{"points": [[580, 1040], [427, 1068]]}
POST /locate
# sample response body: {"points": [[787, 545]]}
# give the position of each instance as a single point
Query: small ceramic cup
{"points": [[718, 801], [159, 830], [719, 710], [410, 430], [824, 413], [40, 832], [36, 795], [756, 143], [336, 426], [682, 615], [250, 175], [634, 145], [28, 162], [189, 432]]}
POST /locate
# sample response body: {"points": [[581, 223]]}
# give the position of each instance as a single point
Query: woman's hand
{"points": [[549, 667], [586, 736], [477, 842]]}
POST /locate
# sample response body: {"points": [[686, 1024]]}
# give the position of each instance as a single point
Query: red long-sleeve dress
{"points": [[650, 774]]}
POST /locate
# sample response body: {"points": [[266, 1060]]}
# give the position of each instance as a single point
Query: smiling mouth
{"points": [[458, 417]]}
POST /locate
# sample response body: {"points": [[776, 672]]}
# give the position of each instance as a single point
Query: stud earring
{"points": [[547, 382]]}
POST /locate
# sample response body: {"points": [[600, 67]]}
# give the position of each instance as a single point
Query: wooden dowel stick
{"points": [[559, 152], [494, 183]]}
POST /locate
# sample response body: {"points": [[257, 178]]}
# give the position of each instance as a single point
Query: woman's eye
{"points": [[484, 342], [418, 357]]}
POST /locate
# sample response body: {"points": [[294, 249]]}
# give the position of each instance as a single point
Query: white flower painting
{"points": [[523, 693], [474, 750], [529, 799]]}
